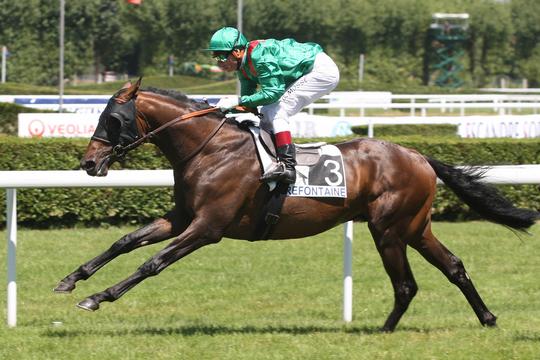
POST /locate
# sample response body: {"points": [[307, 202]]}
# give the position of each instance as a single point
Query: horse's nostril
{"points": [[88, 165]]}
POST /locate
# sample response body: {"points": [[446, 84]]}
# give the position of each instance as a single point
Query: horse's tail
{"points": [[485, 199]]}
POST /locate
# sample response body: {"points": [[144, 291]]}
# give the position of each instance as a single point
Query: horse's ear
{"points": [[134, 88], [138, 83], [131, 91]]}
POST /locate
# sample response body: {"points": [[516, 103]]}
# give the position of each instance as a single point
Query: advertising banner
{"points": [[57, 125], [507, 126]]}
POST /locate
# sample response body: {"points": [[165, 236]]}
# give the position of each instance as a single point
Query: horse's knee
{"points": [[405, 292]]}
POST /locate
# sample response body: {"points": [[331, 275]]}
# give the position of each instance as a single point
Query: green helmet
{"points": [[227, 39]]}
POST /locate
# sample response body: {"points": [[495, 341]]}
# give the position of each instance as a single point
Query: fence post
{"points": [[4, 58], [370, 128], [11, 218], [347, 271]]}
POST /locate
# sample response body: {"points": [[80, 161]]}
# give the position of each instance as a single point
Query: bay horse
{"points": [[217, 193]]}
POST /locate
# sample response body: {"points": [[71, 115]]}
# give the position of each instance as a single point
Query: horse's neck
{"points": [[183, 137], [159, 110]]}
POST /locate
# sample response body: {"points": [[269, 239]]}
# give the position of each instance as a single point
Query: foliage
{"points": [[393, 71], [105, 35], [8, 116], [490, 50], [459, 151], [11, 88], [530, 67], [445, 130], [526, 21], [66, 207], [191, 85]]}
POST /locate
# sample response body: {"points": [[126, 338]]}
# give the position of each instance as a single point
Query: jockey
{"points": [[289, 75]]}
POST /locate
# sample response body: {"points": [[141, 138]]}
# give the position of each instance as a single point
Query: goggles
{"points": [[221, 57]]}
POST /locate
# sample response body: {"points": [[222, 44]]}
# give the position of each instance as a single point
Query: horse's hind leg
{"points": [[394, 257], [452, 267], [159, 230]]}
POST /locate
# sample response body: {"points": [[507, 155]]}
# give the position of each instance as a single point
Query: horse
{"points": [[218, 193]]}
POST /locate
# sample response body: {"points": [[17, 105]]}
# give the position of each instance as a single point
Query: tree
{"points": [[114, 35], [490, 47], [526, 21], [26, 31], [190, 24]]}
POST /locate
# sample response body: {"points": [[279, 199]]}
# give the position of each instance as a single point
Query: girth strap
{"points": [[271, 212]]}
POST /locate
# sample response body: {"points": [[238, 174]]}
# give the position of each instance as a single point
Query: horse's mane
{"points": [[184, 99], [178, 96]]}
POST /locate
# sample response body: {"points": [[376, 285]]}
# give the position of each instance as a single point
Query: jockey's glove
{"points": [[228, 102]]}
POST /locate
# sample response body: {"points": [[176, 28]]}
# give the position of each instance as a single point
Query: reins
{"points": [[203, 144], [120, 151]]}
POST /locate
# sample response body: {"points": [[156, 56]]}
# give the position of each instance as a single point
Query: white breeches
{"points": [[322, 79]]}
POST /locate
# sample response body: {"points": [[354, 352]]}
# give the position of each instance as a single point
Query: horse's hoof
{"points": [[64, 288], [88, 304], [490, 320]]}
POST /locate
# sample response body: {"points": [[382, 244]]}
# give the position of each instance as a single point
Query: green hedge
{"points": [[8, 116], [408, 130], [67, 207]]}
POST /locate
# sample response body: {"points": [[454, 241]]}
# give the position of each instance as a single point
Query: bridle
{"points": [[119, 151]]}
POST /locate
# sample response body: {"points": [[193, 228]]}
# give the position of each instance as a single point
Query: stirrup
{"points": [[279, 173]]}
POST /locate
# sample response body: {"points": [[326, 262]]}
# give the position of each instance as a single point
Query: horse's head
{"points": [[117, 127]]}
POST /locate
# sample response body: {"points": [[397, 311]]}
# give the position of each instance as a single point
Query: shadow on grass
{"points": [[534, 337], [212, 330]]}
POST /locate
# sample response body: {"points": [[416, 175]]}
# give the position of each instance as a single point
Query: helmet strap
{"points": [[238, 55]]}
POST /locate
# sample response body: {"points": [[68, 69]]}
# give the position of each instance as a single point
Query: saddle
{"points": [[306, 154]]}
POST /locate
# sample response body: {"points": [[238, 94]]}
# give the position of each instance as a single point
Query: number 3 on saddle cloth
{"points": [[319, 171]]}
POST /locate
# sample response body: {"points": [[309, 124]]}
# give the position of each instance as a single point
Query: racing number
{"points": [[335, 170]]}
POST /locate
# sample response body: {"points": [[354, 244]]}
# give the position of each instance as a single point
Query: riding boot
{"points": [[283, 171]]}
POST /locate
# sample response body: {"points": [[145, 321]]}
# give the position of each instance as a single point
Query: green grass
{"points": [[187, 84], [273, 300]]}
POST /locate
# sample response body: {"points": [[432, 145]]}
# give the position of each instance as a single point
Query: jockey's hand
{"points": [[227, 102], [241, 108]]}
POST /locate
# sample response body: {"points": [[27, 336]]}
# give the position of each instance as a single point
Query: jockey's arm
{"points": [[272, 86], [247, 87]]}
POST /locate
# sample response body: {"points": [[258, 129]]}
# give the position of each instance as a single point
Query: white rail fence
{"points": [[362, 100], [499, 103], [13, 180], [499, 108]]}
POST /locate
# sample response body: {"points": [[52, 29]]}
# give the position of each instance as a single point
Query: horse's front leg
{"points": [[198, 234], [159, 230]]}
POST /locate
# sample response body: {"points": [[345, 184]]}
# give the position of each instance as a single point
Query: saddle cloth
{"points": [[319, 170]]}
